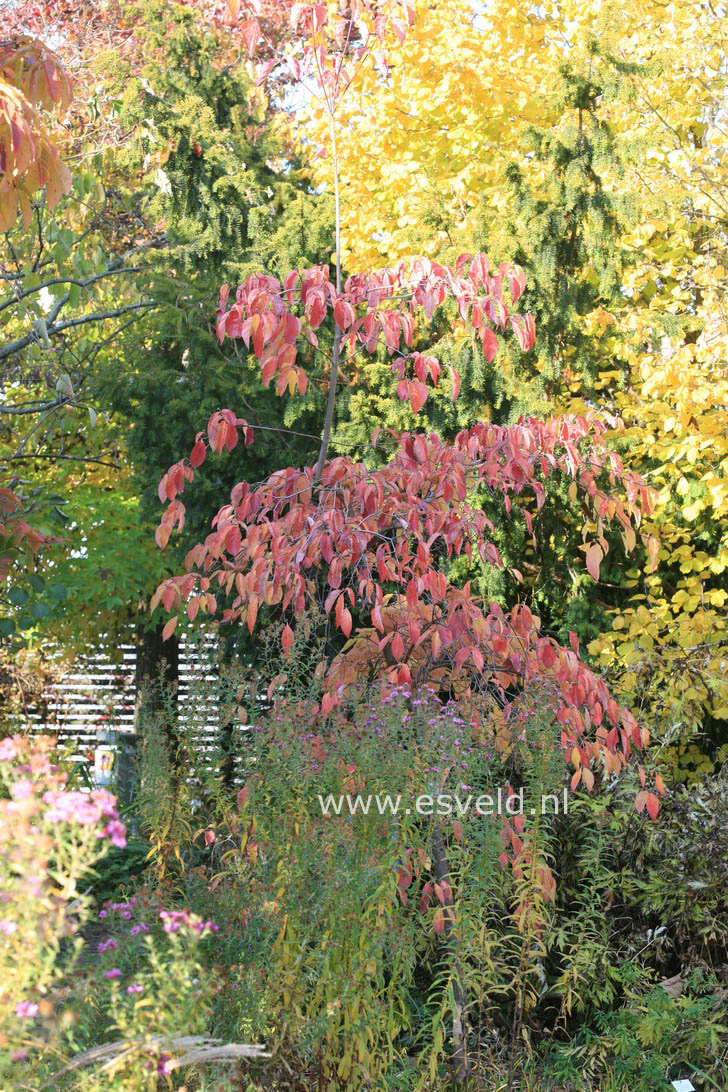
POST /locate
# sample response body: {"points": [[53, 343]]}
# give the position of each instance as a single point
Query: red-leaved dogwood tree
{"points": [[373, 546], [378, 541]]}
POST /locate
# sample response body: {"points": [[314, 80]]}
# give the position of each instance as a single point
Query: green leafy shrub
{"points": [[334, 948]]}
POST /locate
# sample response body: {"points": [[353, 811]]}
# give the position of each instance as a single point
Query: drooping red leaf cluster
{"points": [[373, 309], [371, 546]]}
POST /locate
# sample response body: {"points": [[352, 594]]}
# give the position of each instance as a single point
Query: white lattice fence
{"points": [[97, 695]]}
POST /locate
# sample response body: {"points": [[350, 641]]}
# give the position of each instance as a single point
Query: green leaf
{"points": [[18, 596], [37, 582], [40, 610], [7, 627]]}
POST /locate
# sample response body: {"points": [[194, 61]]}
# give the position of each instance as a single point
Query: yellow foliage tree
{"points": [[424, 148]]}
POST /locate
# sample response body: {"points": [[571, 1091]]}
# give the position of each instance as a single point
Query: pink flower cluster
{"points": [[62, 805], [174, 920], [123, 908], [86, 809]]}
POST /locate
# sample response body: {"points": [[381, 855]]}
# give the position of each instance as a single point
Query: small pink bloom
{"points": [[26, 1009], [164, 1065], [8, 927], [135, 988], [174, 919], [116, 831], [203, 927], [7, 750], [113, 973]]}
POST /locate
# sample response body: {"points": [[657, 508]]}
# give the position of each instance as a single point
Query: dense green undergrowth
{"points": [[355, 948]]}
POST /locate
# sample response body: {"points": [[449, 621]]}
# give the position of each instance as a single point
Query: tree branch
{"points": [[330, 404], [99, 316]]}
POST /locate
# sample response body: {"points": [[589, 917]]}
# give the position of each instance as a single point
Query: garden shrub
{"points": [[357, 946], [49, 837], [79, 1008], [333, 948]]}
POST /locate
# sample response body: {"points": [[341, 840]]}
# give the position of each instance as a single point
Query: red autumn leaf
{"points": [[404, 877], [547, 653], [417, 395], [525, 330], [251, 35], [594, 555], [264, 70], [517, 281], [198, 453], [490, 343], [344, 314], [328, 702]]}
